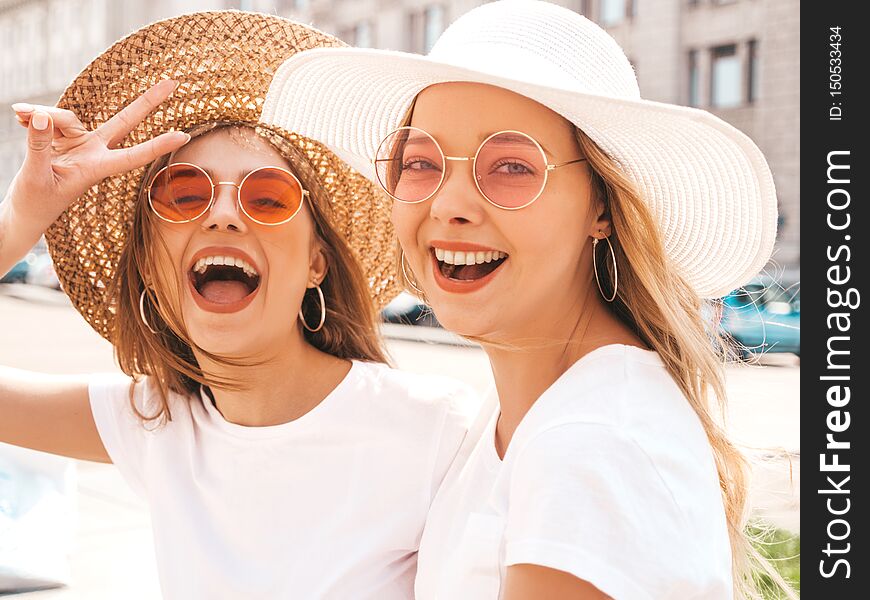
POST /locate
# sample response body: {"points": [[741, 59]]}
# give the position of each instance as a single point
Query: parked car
{"points": [[764, 316], [408, 310], [42, 272], [18, 273]]}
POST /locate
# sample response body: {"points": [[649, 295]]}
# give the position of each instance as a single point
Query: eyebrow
{"points": [[190, 171], [509, 138]]}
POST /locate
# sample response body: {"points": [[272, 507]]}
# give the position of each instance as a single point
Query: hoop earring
{"points": [[615, 272], [322, 313], [142, 313], [408, 280]]}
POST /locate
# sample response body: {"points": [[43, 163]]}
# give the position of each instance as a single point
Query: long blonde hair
{"points": [[667, 314], [350, 330]]}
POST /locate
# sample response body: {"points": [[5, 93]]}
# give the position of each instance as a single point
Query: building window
{"points": [[752, 71], [613, 12], [424, 28], [694, 79], [433, 26], [364, 35], [415, 32], [361, 35], [725, 80]]}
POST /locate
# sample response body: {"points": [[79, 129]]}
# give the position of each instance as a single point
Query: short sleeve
{"points": [[586, 499], [120, 429], [461, 406]]}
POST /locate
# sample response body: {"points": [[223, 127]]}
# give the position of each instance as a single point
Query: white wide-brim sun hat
{"points": [[707, 184]]}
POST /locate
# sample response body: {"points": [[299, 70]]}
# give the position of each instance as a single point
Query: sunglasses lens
{"points": [[511, 169], [271, 196], [409, 165], [180, 193]]}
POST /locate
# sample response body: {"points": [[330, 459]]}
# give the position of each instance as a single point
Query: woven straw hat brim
{"points": [[224, 62], [706, 183]]}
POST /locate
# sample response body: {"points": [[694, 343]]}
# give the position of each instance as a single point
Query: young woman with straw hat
{"points": [[234, 268], [572, 228]]}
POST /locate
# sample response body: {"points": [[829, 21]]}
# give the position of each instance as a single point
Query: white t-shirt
{"points": [[609, 477], [330, 505]]}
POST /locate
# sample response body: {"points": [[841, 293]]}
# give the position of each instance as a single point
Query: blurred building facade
{"points": [[739, 59]]}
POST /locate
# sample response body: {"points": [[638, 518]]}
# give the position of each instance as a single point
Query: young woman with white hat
{"points": [[234, 269], [571, 227]]}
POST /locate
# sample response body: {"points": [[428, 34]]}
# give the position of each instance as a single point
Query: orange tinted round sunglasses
{"points": [[183, 192]]}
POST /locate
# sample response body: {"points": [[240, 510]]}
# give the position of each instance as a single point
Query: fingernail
{"points": [[182, 135], [22, 107], [39, 120]]}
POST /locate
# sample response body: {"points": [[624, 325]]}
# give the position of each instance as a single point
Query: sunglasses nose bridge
{"points": [[234, 198], [447, 159]]}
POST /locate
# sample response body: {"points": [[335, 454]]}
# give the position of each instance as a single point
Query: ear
{"points": [[600, 224], [318, 264]]}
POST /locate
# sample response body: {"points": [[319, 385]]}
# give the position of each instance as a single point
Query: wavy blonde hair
{"points": [[350, 330], [667, 314]]}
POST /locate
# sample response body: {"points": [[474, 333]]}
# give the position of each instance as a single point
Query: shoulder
{"points": [[123, 396], [414, 391], [618, 386], [622, 412]]}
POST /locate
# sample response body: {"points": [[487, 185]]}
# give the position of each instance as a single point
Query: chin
{"points": [[463, 322]]}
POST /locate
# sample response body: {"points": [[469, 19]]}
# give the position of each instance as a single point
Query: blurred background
{"points": [[739, 59]]}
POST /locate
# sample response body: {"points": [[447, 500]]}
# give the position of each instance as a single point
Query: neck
{"points": [[285, 385], [523, 373]]}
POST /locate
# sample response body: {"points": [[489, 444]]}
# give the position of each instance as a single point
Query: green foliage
{"points": [[783, 550]]}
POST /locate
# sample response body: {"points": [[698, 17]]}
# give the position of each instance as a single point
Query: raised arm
{"points": [[64, 159], [50, 413], [43, 412]]}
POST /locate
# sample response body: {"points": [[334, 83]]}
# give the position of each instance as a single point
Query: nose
{"points": [[224, 214], [458, 202]]}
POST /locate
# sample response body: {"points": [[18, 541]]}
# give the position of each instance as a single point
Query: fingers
{"points": [[64, 121], [116, 129], [142, 154], [37, 162]]}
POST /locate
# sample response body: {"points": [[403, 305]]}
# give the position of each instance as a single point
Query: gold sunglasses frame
{"points": [[473, 159]]}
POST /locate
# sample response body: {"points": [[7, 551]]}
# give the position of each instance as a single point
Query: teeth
{"points": [[468, 258], [228, 261]]}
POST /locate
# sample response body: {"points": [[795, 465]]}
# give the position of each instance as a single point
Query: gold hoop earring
{"points": [[409, 281], [142, 313], [322, 313], [595, 266]]}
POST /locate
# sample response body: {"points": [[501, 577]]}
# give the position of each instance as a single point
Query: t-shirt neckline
{"points": [[216, 419]]}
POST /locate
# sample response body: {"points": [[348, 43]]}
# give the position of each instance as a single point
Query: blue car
{"points": [[764, 317], [18, 273]]}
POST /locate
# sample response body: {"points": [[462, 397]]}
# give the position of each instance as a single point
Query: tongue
{"points": [[467, 272], [224, 291]]}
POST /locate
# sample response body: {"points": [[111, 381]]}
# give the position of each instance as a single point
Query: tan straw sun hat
{"points": [[224, 62], [707, 184]]}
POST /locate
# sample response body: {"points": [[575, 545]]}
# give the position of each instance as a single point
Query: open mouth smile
{"points": [[465, 267], [223, 281]]}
